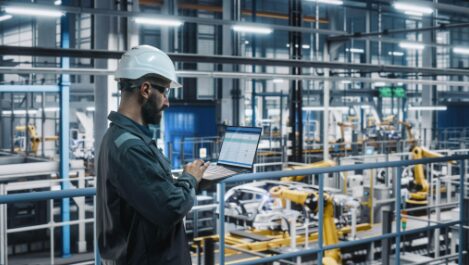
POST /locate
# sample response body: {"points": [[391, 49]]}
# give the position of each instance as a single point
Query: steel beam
{"points": [[224, 59]]}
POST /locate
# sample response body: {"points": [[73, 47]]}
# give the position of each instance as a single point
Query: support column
{"points": [[231, 89], [386, 243], [66, 23], [45, 37], [104, 39], [466, 231], [296, 112], [428, 93]]}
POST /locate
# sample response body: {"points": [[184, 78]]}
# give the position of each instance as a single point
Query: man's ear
{"points": [[145, 90]]}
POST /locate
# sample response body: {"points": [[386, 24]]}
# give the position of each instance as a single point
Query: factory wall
{"points": [[181, 122]]}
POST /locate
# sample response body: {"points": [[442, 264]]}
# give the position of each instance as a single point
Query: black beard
{"points": [[150, 113]]}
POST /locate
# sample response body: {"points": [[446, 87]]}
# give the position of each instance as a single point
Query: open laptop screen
{"points": [[239, 146]]}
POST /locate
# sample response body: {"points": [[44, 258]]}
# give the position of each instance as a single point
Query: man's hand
{"points": [[196, 169]]}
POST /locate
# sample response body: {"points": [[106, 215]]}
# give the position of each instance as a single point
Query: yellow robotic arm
{"points": [[422, 186], [311, 200], [34, 137], [320, 164]]}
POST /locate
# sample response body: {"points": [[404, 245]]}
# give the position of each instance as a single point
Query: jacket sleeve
{"points": [[142, 183]]}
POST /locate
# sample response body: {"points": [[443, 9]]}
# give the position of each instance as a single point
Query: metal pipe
{"points": [[45, 195], [221, 190], [359, 35], [461, 246], [299, 172], [3, 229], [48, 225]]}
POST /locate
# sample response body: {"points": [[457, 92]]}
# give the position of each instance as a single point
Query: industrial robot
{"points": [[419, 187], [310, 199], [320, 164], [33, 137]]}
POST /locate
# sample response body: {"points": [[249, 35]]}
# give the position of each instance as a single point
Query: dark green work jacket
{"points": [[140, 208]]}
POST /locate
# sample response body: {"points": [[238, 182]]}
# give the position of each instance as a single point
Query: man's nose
{"points": [[166, 102]]}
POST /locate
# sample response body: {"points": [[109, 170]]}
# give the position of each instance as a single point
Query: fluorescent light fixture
{"points": [[411, 45], [354, 50], [19, 112], [5, 17], [158, 21], [305, 46], [39, 12], [428, 108], [400, 84], [321, 108], [379, 84], [365, 107], [278, 80], [50, 109], [408, 7], [412, 13], [345, 82], [461, 50], [90, 108], [329, 2], [252, 29], [246, 42], [58, 2], [288, 45], [396, 53]]}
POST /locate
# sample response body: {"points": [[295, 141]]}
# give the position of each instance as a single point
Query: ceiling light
{"points": [[379, 84], [428, 108], [396, 53], [252, 29], [345, 82], [305, 46], [278, 80], [5, 17], [330, 2], [288, 45], [33, 11], [321, 108], [412, 13], [461, 50], [90, 108], [19, 112], [158, 21], [411, 45], [50, 109], [354, 50], [246, 42], [57, 2], [407, 7]]}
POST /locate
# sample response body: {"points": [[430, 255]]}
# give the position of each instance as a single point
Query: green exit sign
{"points": [[399, 92], [389, 92], [385, 92]]}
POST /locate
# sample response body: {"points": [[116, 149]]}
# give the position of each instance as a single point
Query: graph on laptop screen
{"points": [[239, 146]]}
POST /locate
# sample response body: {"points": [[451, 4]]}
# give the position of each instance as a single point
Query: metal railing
{"points": [[322, 171], [49, 195]]}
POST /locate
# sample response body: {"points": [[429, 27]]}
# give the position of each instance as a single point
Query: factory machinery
{"points": [[266, 217]]}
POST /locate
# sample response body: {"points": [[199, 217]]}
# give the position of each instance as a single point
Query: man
{"points": [[140, 208]]}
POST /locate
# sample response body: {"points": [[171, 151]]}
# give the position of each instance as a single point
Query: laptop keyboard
{"points": [[214, 170]]}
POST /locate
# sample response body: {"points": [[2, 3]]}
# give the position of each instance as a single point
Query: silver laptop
{"points": [[237, 153]]}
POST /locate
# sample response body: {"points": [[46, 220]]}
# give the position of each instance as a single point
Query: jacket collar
{"points": [[128, 125]]}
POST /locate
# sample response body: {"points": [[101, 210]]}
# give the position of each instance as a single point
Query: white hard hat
{"points": [[146, 59]]}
